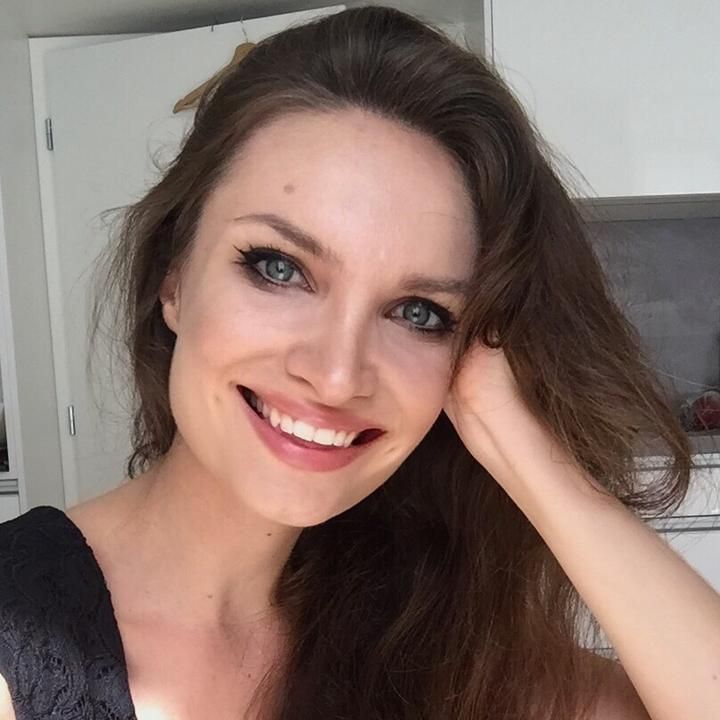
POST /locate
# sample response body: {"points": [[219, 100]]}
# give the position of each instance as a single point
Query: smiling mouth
{"points": [[363, 437]]}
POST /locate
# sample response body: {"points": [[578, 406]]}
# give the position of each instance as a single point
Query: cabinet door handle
{"points": [[71, 419]]}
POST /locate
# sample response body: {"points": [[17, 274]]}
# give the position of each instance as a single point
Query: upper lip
{"points": [[335, 419]]}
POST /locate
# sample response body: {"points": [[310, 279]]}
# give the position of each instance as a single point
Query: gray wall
{"points": [[666, 274]]}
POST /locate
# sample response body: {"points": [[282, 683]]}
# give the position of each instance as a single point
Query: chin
{"points": [[299, 518], [295, 503]]}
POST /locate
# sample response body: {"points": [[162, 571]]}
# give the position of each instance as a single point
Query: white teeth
{"points": [[274, 417], [324, 436], [301, 429]]}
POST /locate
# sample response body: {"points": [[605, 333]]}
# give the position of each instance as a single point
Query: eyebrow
{"points": [[415, 282]]}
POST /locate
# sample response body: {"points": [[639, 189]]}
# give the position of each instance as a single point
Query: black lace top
{"points": [[60, 647]]}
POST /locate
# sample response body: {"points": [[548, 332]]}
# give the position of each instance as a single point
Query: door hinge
{"points": [[71, 419], [49, 134]]}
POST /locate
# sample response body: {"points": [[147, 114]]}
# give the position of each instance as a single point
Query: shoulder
{"points": [[48, 574], [43, 524], [31, 545], [26, 543], [29, 567], [617, 698], [56, 631], [44, 572]]}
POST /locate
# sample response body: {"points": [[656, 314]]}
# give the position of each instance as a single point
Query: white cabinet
{"points": [[701, 549], [702, 502], [628, 92], [693, 530]]}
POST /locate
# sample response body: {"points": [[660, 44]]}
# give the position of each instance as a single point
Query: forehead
{"points": [[356, 181]]}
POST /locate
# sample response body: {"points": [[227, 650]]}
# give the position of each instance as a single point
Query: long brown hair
{"points": [[434, 597]]}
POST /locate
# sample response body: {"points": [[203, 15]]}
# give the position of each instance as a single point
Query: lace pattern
{"points": [[60, 647]]}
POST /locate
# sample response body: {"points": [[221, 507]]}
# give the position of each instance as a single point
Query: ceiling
{"points": [[41, 18]]}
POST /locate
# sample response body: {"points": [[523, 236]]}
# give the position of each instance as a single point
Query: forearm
{"points": [[662, 618]]}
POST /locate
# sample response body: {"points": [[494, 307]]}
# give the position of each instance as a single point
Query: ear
{"points": [[169, 297]]}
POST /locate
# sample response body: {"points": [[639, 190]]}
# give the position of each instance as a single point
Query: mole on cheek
{"points": [[289, 188]]}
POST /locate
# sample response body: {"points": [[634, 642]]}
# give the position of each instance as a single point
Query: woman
{"points": [[383, 445]]}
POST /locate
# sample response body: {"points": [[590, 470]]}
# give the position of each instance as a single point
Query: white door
{"points": [[111, 110]]}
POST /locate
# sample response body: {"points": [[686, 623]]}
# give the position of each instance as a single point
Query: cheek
{"points": [[419, 377], [232, 324]]}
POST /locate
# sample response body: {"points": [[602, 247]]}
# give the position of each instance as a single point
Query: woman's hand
{"points": [[485, 384], [486, 408], [637, 587]]}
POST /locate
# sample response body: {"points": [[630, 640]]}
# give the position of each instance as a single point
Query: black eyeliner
{"points": [[254, 255], [249, 258]]}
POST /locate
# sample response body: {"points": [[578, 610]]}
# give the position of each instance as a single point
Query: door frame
{"points": [[8, 379], [38, 48]]}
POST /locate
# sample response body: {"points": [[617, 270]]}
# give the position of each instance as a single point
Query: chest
{"points": [[186, 674]]}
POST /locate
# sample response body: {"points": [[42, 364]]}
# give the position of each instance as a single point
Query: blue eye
{"points": [[279, 269], [421, 312], [275, 263]]}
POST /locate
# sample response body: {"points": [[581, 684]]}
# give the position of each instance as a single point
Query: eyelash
{"points": [[254, 255]]}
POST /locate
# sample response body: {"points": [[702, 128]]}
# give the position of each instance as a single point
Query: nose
{"points": [[334, 358]]}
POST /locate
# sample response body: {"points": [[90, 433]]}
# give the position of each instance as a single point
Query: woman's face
{"points": [[332, 338]]}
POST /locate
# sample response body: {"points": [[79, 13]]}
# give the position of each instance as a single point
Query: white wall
{"points": [[26, 268]]}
